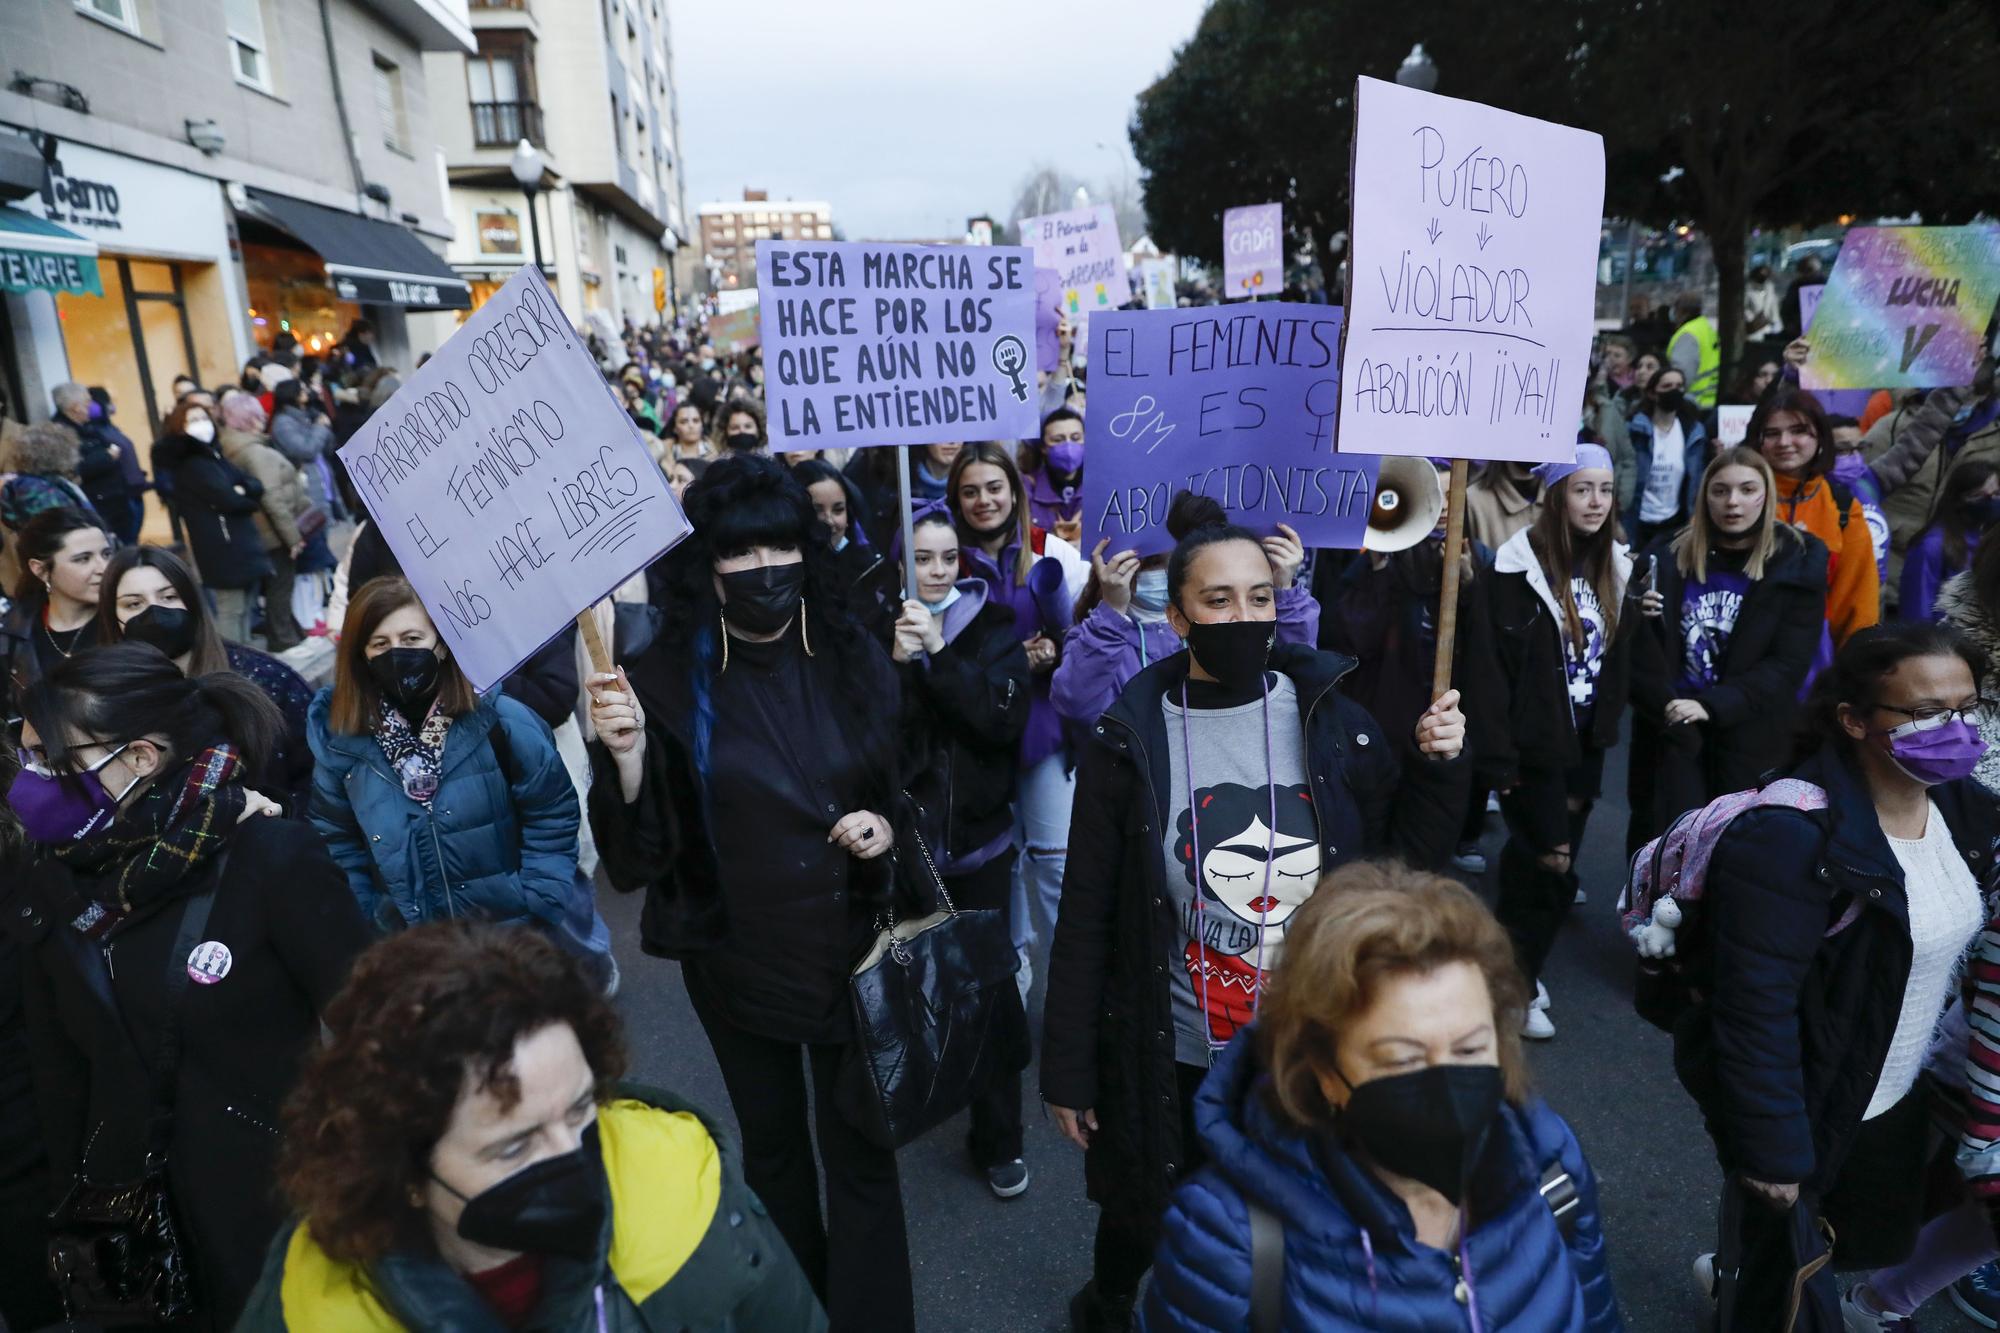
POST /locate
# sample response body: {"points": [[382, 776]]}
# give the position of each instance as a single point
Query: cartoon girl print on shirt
{"points": [[1232, 913]]}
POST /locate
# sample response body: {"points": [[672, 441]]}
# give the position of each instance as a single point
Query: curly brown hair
{"points": [[1366, 922], [427, 1014]]}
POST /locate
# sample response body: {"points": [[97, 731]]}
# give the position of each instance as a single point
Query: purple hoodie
{"points": [[1102, 654], [1050, 504], [1044, 734]]}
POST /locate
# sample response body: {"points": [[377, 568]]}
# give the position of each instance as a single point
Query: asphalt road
{"points": [[1010, 1266]]}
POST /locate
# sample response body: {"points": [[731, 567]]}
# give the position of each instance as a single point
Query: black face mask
{"points": [[1670, 400], [408, 678], [1233, 651], [168, 628], [557, 1206], [763, 601], [744, 442], [1430, 1124]]}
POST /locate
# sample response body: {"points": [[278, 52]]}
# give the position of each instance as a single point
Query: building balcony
{"points": [[504, 124]]}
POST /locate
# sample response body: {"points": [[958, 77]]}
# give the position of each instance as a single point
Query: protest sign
{"points": [[732, 299], [734, 332], [897, 344], [1905, 308], [1082, 246], [1236, 403], [1809, 302], [1732, 424], [510, 482], [1472, 293], [1156, 282], [1253, 250]]}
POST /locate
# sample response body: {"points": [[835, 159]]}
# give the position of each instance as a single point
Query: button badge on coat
{"points": [[210, 962]]}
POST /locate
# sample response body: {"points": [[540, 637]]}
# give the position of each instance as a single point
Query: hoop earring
{"points": [[722, 623], [804, 638]]}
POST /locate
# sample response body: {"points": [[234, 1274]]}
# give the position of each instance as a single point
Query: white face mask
{"points": [[202, 429]]}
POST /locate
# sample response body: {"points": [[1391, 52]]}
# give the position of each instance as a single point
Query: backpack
{"points": [[1669, 882]]}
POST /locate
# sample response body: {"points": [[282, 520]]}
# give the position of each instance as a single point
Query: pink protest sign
{"points": [[1253, 250]]}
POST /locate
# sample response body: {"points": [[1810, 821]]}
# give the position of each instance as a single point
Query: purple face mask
{"points": [[1065, 457], [1939, 754], [61, 808], [1849, 468]]}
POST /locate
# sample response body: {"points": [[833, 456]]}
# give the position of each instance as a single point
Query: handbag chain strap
{"points": [[886, 920]]}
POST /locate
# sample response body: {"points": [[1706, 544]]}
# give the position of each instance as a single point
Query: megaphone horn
{"points": [[1408, 500]]}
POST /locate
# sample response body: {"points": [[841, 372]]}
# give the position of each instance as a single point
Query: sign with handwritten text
{"points": [[1253, 250], [896, 344], [1905, 308], [510, 482], [1235, 402], [1474, 279], [1809, 302], [734, 332], [1082, 246]]}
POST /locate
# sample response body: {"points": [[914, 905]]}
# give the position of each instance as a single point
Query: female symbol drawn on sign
{"points": [[1010, 358]]}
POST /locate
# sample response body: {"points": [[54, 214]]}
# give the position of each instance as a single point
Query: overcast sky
{"points": [[909, 116]]}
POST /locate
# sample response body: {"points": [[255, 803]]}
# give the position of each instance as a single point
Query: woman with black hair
{"points": [[1669, 450], [1558, 597], [746, 777], [1209, 801], [151, 597], [838, 505], [1830, 940], [1038, 576], [170, 935], [54, 612], [1052, 470]]}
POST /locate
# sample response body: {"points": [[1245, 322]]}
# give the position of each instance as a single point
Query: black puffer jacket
{"points": [[1108, 1041], [1752, 707], [1784, 1053], [964, 711], [218, 504]]}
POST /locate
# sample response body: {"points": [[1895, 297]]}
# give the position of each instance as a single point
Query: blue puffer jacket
{"points": [[500, 845], [1352, 1261]]}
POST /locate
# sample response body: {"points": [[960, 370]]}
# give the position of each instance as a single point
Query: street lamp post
{"points": [[671, 243], [1418, 70], [527, 169]]}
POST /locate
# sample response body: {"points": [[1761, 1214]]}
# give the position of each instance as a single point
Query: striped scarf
{"points": [[149, 851]]}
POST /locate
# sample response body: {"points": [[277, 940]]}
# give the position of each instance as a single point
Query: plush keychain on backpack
{"points": [[1656, 937]]}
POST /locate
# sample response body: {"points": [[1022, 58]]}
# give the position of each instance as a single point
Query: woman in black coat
{"points": [[1564, 616], [153, 874], [1209, 800], [1732, 621], [747, 779], [1826, 947], [218, 505], [965, 702]]}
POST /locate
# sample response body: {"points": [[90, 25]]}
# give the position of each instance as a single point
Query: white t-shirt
{"points": [[1945, 917], [1662, 499]]}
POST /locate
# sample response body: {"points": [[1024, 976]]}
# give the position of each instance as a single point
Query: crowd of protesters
{"points": [[321, 973]]}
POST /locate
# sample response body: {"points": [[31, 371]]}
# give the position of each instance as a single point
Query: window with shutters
{"points": [[389, 107], [250, 54]]}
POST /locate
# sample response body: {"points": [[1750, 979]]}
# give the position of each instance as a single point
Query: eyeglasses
{"points": [[1929, 719]]}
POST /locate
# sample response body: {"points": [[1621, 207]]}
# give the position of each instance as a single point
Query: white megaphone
{"points": [[1408, 500]]}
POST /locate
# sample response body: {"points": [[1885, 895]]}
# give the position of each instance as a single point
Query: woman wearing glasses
{"points": [[1830, 942]]}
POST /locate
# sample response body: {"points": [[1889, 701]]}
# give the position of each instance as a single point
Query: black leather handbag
{"points": [[936, 1016], [116, 1253]]}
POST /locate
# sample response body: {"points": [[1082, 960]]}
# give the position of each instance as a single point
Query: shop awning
{"points": [[374, 263], [37, 256]]}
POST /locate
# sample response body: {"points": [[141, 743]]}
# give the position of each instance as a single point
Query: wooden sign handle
{"points": [[1454, 542], [593, 643]]}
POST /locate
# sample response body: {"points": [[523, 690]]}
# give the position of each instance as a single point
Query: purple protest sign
{"points": [[1232, 402], [1809, 302], [1253, 250], [868, 344], [1048, 315]]}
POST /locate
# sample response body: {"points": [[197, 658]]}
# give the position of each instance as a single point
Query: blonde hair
{"points": [[1369, 922], [1691, 545]]}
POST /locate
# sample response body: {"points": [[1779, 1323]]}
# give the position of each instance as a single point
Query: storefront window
{"points": [[98, 334], [288, 293]]}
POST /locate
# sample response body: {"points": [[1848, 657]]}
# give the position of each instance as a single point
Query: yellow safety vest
{"points": [[1709, 374]]}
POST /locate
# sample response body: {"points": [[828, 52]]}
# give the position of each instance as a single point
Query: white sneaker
{"points": [[1704, 1276], [1541, 1000], [1537, 1027], [1581, 898], [1492, 802], [1856, 1317]]}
